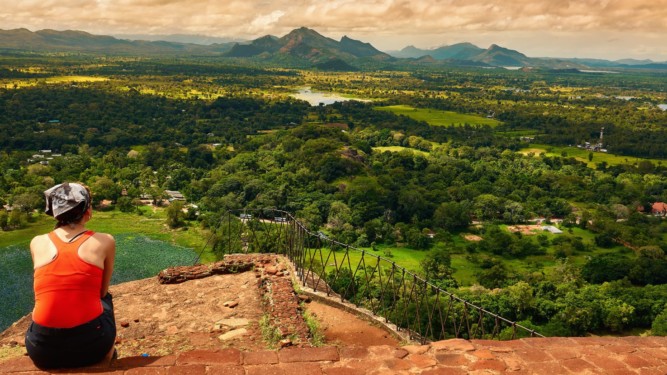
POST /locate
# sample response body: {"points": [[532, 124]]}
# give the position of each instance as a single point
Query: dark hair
{"points": [[72, 216]]}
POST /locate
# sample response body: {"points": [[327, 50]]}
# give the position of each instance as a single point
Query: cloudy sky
{"points": [[611, 29]]}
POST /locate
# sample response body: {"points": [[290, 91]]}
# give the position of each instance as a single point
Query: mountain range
{"points": [[302, 47]]}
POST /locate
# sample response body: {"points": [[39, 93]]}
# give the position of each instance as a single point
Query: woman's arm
{"points": [[110, 255]]}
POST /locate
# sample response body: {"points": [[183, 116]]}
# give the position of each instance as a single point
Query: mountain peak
{"points": [[304, 31], [501, 56]]}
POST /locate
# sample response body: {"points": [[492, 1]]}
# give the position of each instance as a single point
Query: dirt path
{"points": [[341, 328]]}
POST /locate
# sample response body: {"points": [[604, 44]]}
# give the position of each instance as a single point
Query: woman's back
{"points": [[67, 287]]}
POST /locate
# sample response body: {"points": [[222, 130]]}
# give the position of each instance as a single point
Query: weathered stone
{"points": [[231, 323], [233, 334], [453, 344], [401, 353], [124, 324], [422, 360], [231, 304], [416, 349]]}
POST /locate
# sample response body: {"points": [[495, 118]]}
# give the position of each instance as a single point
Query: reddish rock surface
{"points": [[178, 327]]}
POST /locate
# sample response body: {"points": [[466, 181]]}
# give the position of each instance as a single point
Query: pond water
{"points": [[597, 71], [137, 257], [663, 107], [317, 97]]}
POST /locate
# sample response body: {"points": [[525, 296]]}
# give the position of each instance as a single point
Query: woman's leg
{"points": [[110, 327]]}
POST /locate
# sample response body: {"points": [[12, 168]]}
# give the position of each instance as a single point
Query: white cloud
{"points": [[263, 22]]}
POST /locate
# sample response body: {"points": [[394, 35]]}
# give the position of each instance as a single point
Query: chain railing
{"points": [[414, 305]]}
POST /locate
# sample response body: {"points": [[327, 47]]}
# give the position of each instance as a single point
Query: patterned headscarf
{"points": [[62, 198]]}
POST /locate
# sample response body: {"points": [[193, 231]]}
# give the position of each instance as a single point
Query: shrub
{"points": [[659, 327]]}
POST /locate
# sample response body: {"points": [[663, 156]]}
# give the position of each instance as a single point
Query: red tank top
{"points": [[67, 290]]}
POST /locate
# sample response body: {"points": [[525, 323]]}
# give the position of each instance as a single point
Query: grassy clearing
{"points": [[439, 118], [75, 79], [402, 256], [518, 133], [20, 83], [399, 149], [582, 155], [22, 237]]}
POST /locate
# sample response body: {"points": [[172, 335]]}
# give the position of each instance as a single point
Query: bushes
{"points": [[659, 327], [605, 268]]}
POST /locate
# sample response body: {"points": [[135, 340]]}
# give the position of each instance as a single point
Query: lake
{"points": [[137, 257], [597, 71], [316, 98]]}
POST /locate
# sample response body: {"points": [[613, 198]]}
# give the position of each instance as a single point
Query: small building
{"points": [[174, 195], [552, 229], [659, 209]]}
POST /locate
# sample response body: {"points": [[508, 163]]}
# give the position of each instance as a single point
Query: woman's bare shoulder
{"points": [[104, 238], [39, 240]]}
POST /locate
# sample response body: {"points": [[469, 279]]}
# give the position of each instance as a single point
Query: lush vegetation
{"points": [[443, 200]]}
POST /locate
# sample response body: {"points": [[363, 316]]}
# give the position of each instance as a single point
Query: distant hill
{"points": [[302, 47], [492, 56], [179, 38], [308, 46], [80, 41], [464, 54], [499, 56], [459, 51]]}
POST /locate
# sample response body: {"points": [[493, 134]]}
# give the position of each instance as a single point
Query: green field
{"points": [[20, 83], [399, 149], [582, 155], [402, 256], [439, 118]]}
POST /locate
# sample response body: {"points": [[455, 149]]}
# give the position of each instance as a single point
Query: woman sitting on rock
{"points": [[73, 319]]}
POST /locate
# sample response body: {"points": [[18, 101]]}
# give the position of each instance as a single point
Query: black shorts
{"points": [[79, 346]]}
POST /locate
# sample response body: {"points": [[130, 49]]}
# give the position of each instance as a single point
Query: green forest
{"points": [[451, 171]]}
